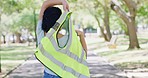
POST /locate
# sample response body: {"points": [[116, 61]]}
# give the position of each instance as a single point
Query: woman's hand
{"points": [[65, 5]]}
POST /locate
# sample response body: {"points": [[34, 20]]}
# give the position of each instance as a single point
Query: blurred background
{"points": [[118, 30]]}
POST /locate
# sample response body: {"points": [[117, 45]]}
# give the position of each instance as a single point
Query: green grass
{"points": [[14, 53], [14, 58], [132, 65], [12, 48], [110, 52], [122, 54]]}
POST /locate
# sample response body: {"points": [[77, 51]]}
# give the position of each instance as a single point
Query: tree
{"points": [[10, 7], [27, 21], [128, 18], [33, 5], [100, 10]]}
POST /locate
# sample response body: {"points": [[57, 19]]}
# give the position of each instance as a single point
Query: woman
{"points": [[47, 18]]}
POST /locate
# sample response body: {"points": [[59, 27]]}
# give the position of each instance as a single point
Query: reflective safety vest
{"points": [[68, 61]]}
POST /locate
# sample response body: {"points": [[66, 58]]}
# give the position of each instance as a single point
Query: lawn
{"points": [[14, 55], [126, 59]]}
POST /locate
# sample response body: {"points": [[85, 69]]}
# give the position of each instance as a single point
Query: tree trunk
{"points": [[4, 38], [13, 41], [106, 21], [18, 39], [104, 35], [0, 57], [35, 26], [106, 24], [132, 35], [0, 65], [128, 19], [101, 28]]}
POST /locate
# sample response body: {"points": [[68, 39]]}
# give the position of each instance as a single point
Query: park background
{"points": [[116, 30]]}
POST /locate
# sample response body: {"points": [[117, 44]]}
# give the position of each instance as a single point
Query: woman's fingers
{"points": [[65, 5]]}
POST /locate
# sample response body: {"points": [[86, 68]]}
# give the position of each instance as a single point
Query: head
{"points": [[51, 15]]}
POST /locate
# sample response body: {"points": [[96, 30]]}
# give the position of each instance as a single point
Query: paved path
{"points": [[29, 69], [99, 68]]}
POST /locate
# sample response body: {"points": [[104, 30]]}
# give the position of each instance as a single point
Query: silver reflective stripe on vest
{"points": [[62, 17], [56, 25], [68, 53], [82, 55], [49, 35], [60, 64]]}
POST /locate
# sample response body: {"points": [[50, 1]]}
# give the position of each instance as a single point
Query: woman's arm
{"points": [[49, 3], [82, 40]]}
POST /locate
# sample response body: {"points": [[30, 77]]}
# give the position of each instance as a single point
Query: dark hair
{"points": [[51, 15]]}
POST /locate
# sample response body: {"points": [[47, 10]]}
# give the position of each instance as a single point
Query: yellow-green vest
{"points": [[68, 61]]}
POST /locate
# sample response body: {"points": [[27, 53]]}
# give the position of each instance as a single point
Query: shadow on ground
{"points": [[102, 69], [30, 69]]}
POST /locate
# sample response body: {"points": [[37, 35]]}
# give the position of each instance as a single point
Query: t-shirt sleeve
{"points": [[39, 31]]}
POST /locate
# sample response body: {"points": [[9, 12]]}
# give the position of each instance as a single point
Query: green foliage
{"points": [[143, 10], [17, 14], [27, 21], [142, 13], [21, 52], [132, 65], [17, 18], [10, 6]]}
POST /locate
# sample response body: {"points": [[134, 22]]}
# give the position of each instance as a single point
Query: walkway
{"points": [[99, 67]]}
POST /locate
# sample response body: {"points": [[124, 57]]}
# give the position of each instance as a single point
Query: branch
{"points": [[99, 3], [97, 20], [95, 15], [93, 8], [115, 6], [131, 6]]}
